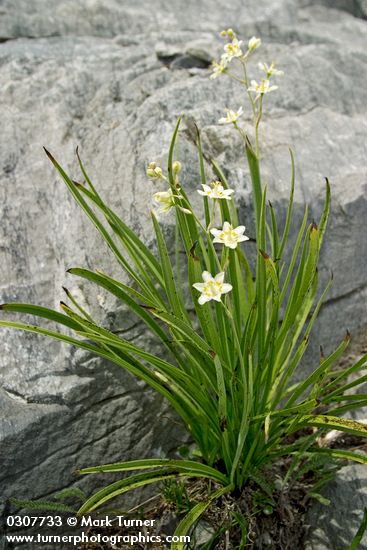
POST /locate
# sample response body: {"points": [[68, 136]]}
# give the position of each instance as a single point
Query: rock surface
{"points": [[113, 77], [334, 526]]}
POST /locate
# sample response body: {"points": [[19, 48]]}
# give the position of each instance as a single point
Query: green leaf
{"points": [[123, 292], [341, 454], [147, 265], [321, 499], [147, 463], [43, 312], [274, 235], [126, 362], [320, 372], [187, 332], [289, 210], [361, 531], [202, 176], [188, 521], [253, 163], [294, 255], [171, 151], [123, 486], [76, 193], [346, 373], [169, 279], [334, 423], [326, 212]]}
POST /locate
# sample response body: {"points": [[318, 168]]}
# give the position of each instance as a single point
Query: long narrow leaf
{"points": [[148, 463], [190, 519]]}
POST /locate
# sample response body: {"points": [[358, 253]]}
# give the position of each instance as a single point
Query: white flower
{"points": [[154, 171], [270, 70], [216, 191], [233, 49], [228, 236], [166, 199], [262, 87], [254, 43], [219, 68], [212, 288], [231, 117]]}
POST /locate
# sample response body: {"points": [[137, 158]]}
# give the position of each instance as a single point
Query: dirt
{"points": [[277, 525]]}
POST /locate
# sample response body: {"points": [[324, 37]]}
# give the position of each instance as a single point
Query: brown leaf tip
{"points": [[67, 292], [48, 154]]}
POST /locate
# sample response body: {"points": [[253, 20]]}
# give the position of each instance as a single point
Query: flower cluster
{"points": [[233, 50], [213, 287], [154, 171], [165, 198]]}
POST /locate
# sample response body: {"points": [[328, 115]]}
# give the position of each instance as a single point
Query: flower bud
{"points": [[229, 32], [176, 166], [254, 43], [154, 171]]}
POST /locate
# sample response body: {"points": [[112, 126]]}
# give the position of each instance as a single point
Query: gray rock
{"points": [[334, 526], [100, 75]]}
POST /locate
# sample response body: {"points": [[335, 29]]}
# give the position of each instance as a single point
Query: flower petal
{"points": [[203, 299], [240, 229], [207, 276], [242, 238], [220, 277], [226, 287], [199, 286]]}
